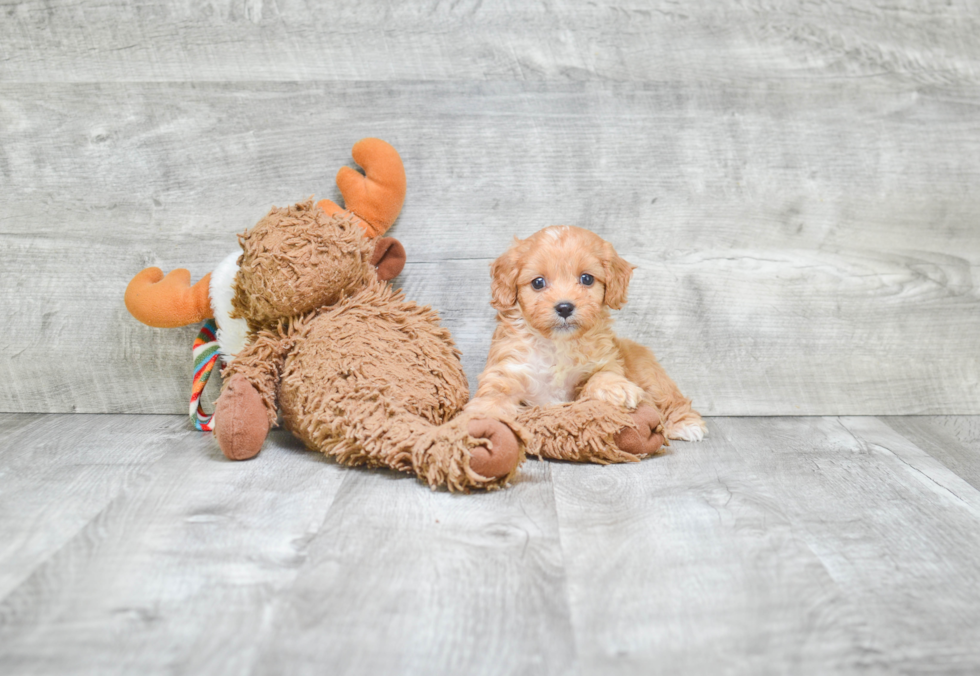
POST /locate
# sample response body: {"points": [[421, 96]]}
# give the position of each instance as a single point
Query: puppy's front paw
{"points": [[619, 392], [691, 429]]}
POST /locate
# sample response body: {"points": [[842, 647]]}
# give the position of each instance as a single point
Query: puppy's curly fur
{"points": [[554, 341]]}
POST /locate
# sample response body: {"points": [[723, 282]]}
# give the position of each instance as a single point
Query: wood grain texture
{"points": [[128, 544], [707, 40], [699, 553], [171, 569], [59, 473], [953, 440], [805, 246], [404, 580], [782, 545]]}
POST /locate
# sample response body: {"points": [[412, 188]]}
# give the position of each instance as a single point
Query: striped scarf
{"points": [[205, 357]]}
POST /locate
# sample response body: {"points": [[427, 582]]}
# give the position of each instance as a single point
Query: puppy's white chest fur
{"points": [[553, 371]]}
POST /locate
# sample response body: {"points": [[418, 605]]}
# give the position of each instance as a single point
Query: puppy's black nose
{"points": [[564, 309]]}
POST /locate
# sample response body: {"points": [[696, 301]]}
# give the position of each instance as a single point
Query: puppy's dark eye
{"points": [[586, 279], [537, 283]]}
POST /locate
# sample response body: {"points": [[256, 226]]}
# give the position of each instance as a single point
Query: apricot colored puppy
{"points": [[554, 341]]}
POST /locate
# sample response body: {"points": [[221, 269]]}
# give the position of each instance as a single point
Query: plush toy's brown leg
{"points": [[591, 431], [469, 453], [247, 406], [241, 423], [360, 428], [647, 435], [500, 457]]}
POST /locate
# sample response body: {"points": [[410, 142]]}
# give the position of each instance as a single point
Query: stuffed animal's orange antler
{"points": [[376, 197], [168, 302]]}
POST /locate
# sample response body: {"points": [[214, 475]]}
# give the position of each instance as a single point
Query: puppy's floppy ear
{"points": [[618, 273], [503, 275]]}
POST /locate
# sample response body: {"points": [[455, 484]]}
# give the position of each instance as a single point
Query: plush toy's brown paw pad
{"points": [[240, 420], [500, 460], [648, 435]]}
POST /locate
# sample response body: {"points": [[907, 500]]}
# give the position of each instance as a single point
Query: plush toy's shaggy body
{"points": [[358, 372], [355, 381]]}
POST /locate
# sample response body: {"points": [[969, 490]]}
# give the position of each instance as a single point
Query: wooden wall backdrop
{"points": [[799, 186]]}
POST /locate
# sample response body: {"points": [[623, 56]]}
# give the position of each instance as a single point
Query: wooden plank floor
{"points": [[779, 545]]}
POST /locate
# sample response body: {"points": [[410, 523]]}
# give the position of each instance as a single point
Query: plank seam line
{"points": [[945, 489]]}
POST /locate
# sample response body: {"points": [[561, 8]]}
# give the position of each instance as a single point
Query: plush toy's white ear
{"points": [[232, 331]]}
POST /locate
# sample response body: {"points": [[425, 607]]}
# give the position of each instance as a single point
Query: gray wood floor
{"points": [[779, 545]]}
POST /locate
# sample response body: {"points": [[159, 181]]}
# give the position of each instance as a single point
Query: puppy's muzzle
{"points": [[564, 310]]}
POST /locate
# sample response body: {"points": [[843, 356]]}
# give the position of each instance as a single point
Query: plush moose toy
{"points": [[310, 326]]}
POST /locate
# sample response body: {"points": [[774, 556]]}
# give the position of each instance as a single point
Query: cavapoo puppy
{"points": [[554, 341]]}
